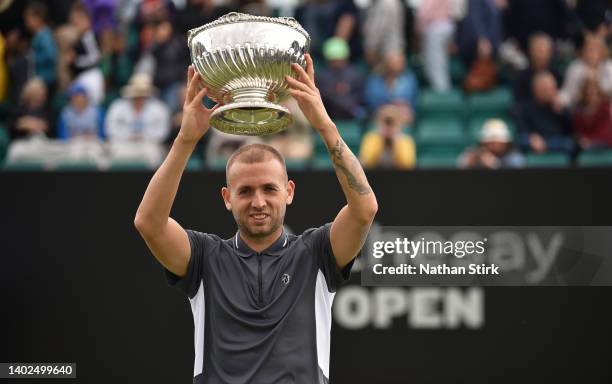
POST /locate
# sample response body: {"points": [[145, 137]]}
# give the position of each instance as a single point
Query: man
{"points": [[44, 50], [261, 300], [544, 124], [541, 50], [494, 150]]}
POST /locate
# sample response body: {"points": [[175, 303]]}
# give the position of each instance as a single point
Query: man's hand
{"points": [[307, 95], [196, 117]]}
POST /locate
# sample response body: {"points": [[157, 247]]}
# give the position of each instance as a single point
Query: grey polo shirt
{"points": [[261, 317]]}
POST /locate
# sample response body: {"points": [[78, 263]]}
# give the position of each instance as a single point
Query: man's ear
{"points": [[290, 191], [225, 193]]}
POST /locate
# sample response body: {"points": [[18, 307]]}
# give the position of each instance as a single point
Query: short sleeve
{"points": [[190, 283], [318, 240]]}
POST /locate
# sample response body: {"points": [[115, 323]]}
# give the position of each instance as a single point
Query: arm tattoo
{"points": [[339, 163]]}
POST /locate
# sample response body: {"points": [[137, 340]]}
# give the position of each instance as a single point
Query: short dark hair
{"points": [[254, 153], [80, 8], [38, 9]]}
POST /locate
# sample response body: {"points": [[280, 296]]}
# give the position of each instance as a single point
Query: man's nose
{"points": [[258, 200]]}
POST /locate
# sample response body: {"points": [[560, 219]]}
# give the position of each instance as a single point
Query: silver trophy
{"points": [[243, 60]]}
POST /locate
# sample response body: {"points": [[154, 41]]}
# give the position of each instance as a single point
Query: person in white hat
{"points": [[138, 115], [494, 150]]}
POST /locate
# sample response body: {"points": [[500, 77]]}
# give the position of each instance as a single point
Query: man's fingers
{"points": [[310, 67], [200, 95], [215, 107], [295, 84], [297, 94], [192, 89], [302, 75]]}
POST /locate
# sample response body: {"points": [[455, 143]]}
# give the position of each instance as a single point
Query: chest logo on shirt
{"points": [[286, 279]]}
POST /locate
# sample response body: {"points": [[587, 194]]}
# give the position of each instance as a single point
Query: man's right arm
{"points": [[166, 239]]}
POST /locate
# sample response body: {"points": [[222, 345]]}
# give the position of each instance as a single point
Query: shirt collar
{"points": [[275, 249]]}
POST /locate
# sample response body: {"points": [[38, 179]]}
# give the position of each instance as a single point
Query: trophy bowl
{"points": [[243, 60]]}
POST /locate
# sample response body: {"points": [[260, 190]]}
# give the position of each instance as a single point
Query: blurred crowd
{"points": [[418, 83]]}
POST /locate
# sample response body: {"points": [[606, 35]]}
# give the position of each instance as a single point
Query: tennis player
{"points": [[261, 300]]}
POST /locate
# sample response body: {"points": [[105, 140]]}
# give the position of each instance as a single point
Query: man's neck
{"points": [[258, 244]]}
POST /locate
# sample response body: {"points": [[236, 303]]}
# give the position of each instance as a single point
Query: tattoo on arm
{"points": [[343, 164]]}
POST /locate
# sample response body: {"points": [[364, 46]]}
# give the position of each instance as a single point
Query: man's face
{"points": [[258, 195], [544, 89], [540, 51]]}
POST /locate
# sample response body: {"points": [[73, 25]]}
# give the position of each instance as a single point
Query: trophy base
{"points": [[252, 118]]}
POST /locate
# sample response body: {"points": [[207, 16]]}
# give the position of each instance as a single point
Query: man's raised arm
{"points": [[166, 239], [350, 227]]}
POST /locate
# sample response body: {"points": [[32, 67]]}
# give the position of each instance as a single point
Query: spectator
{"points": [[494, 150], [221, 145], [340, 83], [170, 52], [138, 115], [592, 118], [103, 15], [592, 15], [479, 35], [295, 142], [3, 70], [255, 7], [524, 18], [17, 64], [331, 18], [79, 119], [86, 55], [544, 123], [396, 84], [384, 30], [31, 115], [436, 28], [44, 50], [388, 146], [540, 59], [116, 65], [593, 62], [199, 12]]}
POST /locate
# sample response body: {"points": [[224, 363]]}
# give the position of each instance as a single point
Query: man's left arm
{"points": [[351, 225]]}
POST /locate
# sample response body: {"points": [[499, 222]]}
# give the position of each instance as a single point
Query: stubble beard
{"points": [[256, 232]]}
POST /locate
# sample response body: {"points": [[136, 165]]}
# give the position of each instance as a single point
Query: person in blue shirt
{"points": [[394, 85], [44, 49], [79, 118]]}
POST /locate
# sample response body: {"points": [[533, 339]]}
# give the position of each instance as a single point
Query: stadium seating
{"points": [[547, 160], [496, 102], [321, 162], [594, 158], [443, 135], [438, 104], [4, 142], [350, 130], [433, 160]]}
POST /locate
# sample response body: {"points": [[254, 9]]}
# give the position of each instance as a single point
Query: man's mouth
{"points": [[259, 216]]}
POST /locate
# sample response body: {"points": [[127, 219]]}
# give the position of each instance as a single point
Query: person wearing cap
{"points": [[341, 84], [138, 115], [494, 150], [79, 118]]}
